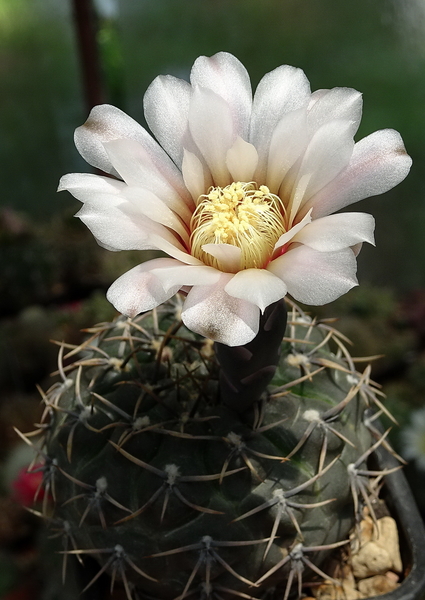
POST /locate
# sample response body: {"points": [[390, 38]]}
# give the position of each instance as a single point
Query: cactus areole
{"points": [[213, 444]]}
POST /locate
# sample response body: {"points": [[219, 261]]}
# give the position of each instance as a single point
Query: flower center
{"points": [[242, 215]]}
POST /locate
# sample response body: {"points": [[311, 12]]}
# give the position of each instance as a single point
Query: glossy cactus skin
{"points": [[178, 493]]}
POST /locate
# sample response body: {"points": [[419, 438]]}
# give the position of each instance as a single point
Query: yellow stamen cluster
{"points": [[240, 214]]}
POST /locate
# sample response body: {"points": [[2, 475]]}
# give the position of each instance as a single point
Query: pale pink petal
{"points": [[283, 90], [327, 154], [167, 242], [289, 235], [258, 286], [339, 231], [242, 160], [343, 104], [153, 207], [314, 277], [120, 225], [288, 141], [116, 224], [210, 311], [112, 249], [166, 105], [378, 163], [103, 213], [229, 256], [185, 275], [106, 123], [315, 96], [213, 129], [196, 177], [135, 166], [139, 290], [225, 75], [85, 186]]}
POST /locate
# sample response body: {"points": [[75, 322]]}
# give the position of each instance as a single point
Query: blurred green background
{"points": [[53, 275]]}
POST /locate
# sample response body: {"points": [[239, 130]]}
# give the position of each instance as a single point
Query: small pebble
{"points": [[372, 567], [376, 585], [379, 550]]}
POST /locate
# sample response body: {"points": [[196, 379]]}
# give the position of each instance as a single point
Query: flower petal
{"points": [[167, 242], [283, 90], [288, 141], [289, 235], [139, 290], [213, 129], [228, 256], [210, 311], [327, 154], [225, 75], [242, 160], [314, 277], [136, 167], [166, 105], [196, 178], [106, 123], [340, 103], [185, 275], [258, 286], [153, 207], [85, 186], [117, 224], [339, 231], [102, 212], [378, 163]]}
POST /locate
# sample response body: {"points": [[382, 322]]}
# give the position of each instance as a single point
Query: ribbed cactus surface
{"points": [[180, 493]]}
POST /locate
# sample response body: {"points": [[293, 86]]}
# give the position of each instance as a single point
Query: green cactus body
{"points": [[178, 494]]}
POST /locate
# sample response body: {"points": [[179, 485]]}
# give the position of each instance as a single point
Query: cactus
{"points": [[185, 478]]}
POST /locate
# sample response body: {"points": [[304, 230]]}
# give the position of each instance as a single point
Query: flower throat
{"points": [[241, 215]]}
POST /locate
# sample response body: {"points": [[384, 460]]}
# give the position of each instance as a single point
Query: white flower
{"points": [[238, 193], [413, 439]]}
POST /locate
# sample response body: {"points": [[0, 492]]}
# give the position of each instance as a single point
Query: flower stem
{"points": [[247, 370]]}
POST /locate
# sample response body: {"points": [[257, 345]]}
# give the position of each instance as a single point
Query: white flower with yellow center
{"points": [[238, 193]]}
